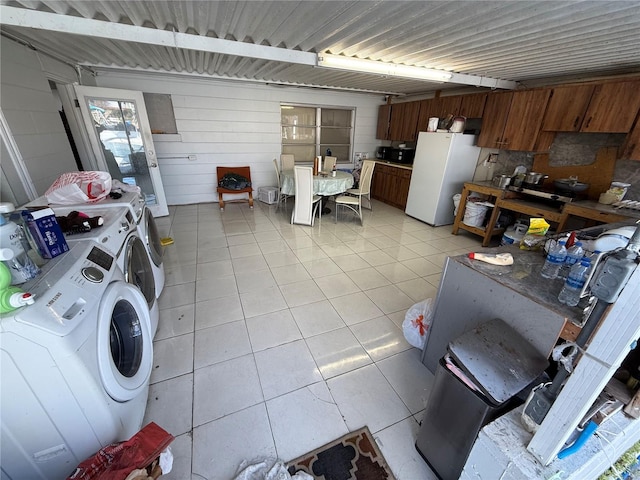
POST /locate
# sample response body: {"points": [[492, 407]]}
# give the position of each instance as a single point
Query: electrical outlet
{"points": [[192, 158], [364, 155]]}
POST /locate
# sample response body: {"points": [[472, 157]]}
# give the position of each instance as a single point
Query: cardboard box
{"points": [[46, 232]]}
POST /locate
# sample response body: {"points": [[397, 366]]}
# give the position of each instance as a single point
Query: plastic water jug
{"points": [[514, 234]]}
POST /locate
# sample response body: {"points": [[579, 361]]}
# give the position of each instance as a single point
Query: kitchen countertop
{"points": [[394, 164], [600, 207]]}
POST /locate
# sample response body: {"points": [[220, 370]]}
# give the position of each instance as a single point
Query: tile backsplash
{"points": [[577, 149]]}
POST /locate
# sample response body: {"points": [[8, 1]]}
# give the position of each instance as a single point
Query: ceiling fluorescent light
{"points": [[353, 64]]}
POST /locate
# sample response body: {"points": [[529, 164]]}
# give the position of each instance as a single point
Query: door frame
{"points": [[81, 92]]}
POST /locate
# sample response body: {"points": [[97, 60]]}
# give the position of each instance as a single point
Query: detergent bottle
{"points": [[11, 297]]}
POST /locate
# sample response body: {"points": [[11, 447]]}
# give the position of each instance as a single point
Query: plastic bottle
{"points": [[555, 259], [11, 297], [12, 252], [570, 293], [574, 254]]}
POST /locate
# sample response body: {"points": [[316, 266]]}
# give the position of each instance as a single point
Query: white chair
{"points": [[328, 163], [287, 162], [306, 204], [353, 197], [281, 196]]}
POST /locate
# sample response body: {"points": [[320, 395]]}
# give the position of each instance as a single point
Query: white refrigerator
{"points": [[443, 162]]}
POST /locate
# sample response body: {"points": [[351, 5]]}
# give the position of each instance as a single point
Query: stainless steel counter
{"points": [[473, 292]]}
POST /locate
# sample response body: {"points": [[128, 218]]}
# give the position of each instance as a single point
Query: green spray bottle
{"points": [[11, 297]]}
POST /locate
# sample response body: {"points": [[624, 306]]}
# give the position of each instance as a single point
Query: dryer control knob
{"points": [[92, 274]]}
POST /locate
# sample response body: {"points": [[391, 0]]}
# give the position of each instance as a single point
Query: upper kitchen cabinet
{"points": [[613, 107], [472, 106], [437, 107], [404, 121], [512, 120], [631, 146], [384, 119], [567, 107]]}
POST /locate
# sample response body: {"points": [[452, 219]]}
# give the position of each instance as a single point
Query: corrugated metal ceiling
{"points": [[531, 42]]}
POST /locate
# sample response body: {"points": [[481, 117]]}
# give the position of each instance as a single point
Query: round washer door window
{"points": [[138, 269], [125, 349], [153, 238]]}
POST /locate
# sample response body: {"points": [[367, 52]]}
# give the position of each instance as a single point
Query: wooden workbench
{"points": [[503, 199]]}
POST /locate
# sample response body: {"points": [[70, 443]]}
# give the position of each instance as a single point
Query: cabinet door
{"points": [[410, 121], [494, 120], [472, 106], [524, 120], [404, 180], [613, 107], [443, 106], [426, 111], [378, 182], [566, 108], [384, 117], [631, 147]]}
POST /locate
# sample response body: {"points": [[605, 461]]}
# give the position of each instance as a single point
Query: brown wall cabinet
{"points": [[384, 119], [404, 120], [631, 147], [512, 120], [567, 107], [613, 107], [391, 185]]}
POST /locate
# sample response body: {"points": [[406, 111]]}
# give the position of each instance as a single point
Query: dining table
{"points": [[324, 185]]}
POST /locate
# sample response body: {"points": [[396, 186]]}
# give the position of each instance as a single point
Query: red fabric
{"points": [[116, 461]]}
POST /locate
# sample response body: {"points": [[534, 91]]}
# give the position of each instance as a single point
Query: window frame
{"points": [[319, 148]]}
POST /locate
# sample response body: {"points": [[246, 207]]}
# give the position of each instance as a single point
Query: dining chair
{"points": [[328, 163], [306, 203], [287, 162], [352, 198], [281, 196]]}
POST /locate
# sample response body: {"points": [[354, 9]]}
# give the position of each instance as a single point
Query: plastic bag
{"points": [[417, 322], [79, 187]]}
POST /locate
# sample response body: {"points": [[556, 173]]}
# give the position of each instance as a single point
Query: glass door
{"points": [[120, 136]]}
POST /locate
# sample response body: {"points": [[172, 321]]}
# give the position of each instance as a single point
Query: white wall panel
{"points": [[32, 114], [232, 123]]}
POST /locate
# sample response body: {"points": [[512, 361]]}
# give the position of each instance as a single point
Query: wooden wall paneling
{"points": [[631, 147]]}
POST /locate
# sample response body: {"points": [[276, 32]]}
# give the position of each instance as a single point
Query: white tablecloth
{"points": [[321, 185]]}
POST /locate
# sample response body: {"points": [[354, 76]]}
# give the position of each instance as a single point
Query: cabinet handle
{"points": [[588, 122], [575, 124]]}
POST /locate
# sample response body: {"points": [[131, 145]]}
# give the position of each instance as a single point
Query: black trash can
{"points": [[481, 377]]}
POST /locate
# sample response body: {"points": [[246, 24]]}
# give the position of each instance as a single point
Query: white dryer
{"points": [[145, 223], [120, 236], [75, 365]]}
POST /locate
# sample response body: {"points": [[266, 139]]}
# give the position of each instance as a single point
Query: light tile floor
{"points": [[275, 339]]}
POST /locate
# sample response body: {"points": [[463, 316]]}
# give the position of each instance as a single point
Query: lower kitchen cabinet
{"points": [[390, 184]]}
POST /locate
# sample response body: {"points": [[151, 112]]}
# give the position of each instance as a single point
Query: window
{"points": [[308, 132]]}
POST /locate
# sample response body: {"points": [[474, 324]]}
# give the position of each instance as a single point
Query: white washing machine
{"points": [[120, 236], [145, 222], [75, 365]]}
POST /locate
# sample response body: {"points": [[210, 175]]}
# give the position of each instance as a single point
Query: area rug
{"points": [[355, 456]]}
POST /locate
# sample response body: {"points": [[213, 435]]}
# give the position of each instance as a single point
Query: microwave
{"points": [[402, 155]]}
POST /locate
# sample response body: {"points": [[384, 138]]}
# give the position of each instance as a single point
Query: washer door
{"points": [[152, 237], [138, 270], [125, 349]]}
